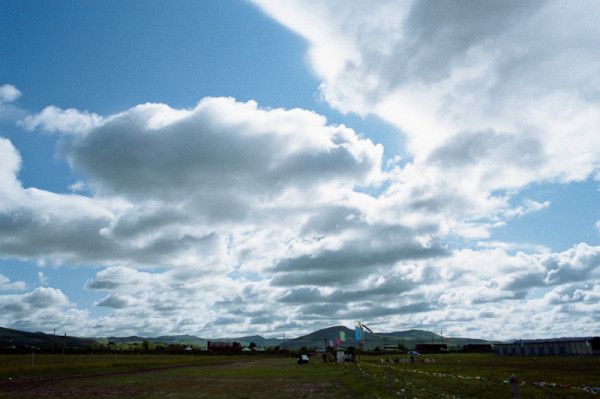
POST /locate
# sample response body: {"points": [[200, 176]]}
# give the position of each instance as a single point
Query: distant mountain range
{"points": [[15, 338], [260, 341]]}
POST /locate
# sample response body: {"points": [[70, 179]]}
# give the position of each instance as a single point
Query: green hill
{"points": [[22, 340]]}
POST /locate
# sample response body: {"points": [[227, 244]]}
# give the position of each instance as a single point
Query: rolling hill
{"points": [[21, 340], [259, 340], [408, 338], [10, 338]]}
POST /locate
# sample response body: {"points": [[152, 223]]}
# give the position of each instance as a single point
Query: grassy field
{"points": [[158, 376]]}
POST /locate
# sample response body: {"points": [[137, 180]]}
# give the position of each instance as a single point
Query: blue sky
{"points": [[460, 157]]}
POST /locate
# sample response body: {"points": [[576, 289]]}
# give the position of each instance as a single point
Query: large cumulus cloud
{"points": [[491, 96], [221, 150], [163, 182]]}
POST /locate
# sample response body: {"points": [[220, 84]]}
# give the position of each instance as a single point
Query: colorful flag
{"points": [[358, 333], [337, 341], [342, 335]]}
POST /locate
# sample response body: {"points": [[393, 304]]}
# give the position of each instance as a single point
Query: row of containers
{"points": [[586, 346]]}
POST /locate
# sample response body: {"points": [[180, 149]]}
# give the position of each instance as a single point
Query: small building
{"points": [[586, 346], [224, 347], [431, 348]]}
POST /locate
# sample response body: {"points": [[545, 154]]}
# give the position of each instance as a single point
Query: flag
{"points": [[330, 342], [342, 335], [358, 333], [337, 341]]}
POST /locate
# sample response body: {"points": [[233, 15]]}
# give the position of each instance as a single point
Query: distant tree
{"points": [[377, 349], [351, 349], [402, 348], [145, 345], [252, 346], [304, 350]]}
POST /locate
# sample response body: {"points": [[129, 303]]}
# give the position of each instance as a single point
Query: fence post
{"points": [[514, 384], [389, 372]]}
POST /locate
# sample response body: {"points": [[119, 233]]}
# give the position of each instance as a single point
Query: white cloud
{"points": [[175, 187], [436, 70], [223, 150], [182, 301], [78, 186], [512, 246], [42, 309], [7, 286], [580, 263], [8, 93], [10, 163], [491, 97], [54, 119], [527, 207]]}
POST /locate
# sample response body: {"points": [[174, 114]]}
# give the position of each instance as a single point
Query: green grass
{"points": [[259, 376], [484, 375]]}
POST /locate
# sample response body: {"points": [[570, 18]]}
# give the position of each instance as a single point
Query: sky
{"points": [[227, 168]]}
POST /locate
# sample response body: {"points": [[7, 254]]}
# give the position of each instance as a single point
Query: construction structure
{"points": [[359, 335], [586, 346]]}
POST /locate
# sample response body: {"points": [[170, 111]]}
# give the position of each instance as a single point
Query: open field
{"points": [[154, 376]]}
